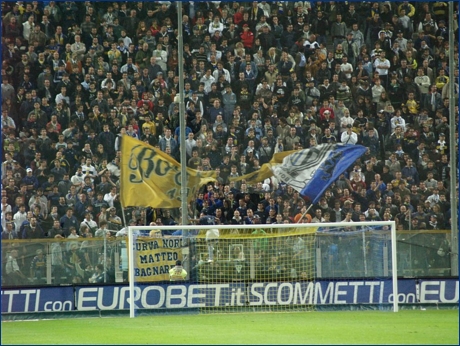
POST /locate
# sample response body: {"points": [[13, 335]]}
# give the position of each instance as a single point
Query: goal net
{"points": [[272, 267]]}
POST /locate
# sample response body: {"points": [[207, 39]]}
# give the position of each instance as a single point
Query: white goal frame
{"points": [[131, 229]]}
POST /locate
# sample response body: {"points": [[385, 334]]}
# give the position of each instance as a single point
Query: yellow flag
{"points": [[151, 178], [266, 170]]}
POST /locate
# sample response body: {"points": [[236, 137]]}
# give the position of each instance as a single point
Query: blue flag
{"points": [[311, 171]]}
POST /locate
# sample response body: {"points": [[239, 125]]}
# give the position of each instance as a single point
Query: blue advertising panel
{"points": [[38, 299], [439, 291], [159, 296], [180, 296], [266, 293], [331, 292]]}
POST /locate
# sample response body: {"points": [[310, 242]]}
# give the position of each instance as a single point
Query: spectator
{"points": [[98, 275], [113, 218], [14, 275], [9, 232], [177, 272], [38, 268], [32, 230], [349, 136], [67, 221]]}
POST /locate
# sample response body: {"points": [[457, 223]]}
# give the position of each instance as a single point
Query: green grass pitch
{"points": [[432, 327]]}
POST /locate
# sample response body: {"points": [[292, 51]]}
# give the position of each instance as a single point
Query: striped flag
{"points": [[309, 171]]}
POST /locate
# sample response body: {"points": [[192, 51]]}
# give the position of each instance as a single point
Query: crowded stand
{"points": [[259, 78]]}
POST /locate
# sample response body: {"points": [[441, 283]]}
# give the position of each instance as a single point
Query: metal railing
{"points": [[43, 262]]}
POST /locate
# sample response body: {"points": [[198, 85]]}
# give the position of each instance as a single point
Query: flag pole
{"points": [[305, 213], [183, 154], [123, 214], [121, 188]]}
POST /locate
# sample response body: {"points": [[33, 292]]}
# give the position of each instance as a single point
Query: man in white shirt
{"points": [[207, 79], [78, 178], [20, 217], [27, 27], [190, 143], [161, 56], [89, 222], [129, 65], [14, 276], [215, 25], [346, 120], [78, 48], [111, 196], [220, 70], [346, 68], [349, 137], [114, 167], [382, 66], [396, 121], [422, 81], [89, 170], [433, 198], [62, 96]]}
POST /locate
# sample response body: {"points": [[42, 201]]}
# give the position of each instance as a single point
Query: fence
{"points": [[53, 262]]}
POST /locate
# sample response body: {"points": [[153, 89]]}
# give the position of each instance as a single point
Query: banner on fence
{"points": [[155, 257]]}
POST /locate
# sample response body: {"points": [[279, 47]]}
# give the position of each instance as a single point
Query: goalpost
{"points": [[264, 267]]}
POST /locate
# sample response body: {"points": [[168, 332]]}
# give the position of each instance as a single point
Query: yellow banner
{"points": [[151, 178], [265, 171], [155, 257]]}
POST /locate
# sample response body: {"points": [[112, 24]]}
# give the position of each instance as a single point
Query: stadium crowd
{"points": [[260, 78]]}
